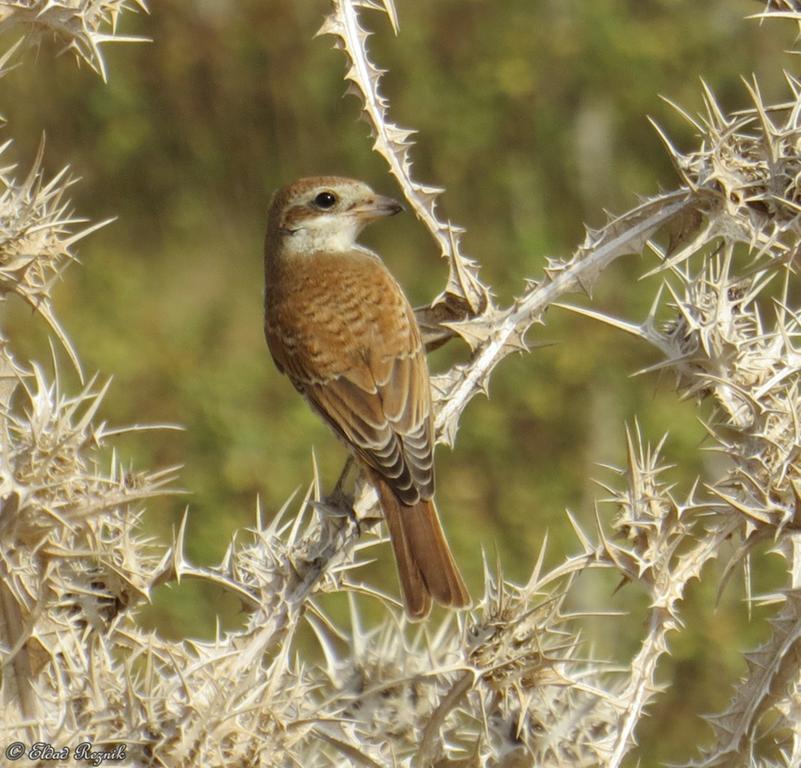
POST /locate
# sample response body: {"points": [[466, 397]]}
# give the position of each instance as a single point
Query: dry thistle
{"points": [[511, 683], [82, 26]]}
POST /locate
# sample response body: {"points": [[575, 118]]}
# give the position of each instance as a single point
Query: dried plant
{"points": [[510, 682], [80, 26]]}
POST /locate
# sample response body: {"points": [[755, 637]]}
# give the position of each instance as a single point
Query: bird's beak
{"points": [[376, 207]]}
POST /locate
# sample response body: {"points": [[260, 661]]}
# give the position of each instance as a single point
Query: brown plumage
{"points": [[339, 326]]}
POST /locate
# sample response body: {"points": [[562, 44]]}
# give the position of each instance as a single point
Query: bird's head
{"points": [[325, 213]]}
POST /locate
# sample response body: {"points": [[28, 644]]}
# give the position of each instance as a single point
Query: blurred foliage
{"points": [[532, 114]]}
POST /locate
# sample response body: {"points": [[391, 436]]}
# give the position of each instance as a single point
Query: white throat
{"points": [[326, 233]]}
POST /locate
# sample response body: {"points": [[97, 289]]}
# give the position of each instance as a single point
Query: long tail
{"points": [[426, 567]]}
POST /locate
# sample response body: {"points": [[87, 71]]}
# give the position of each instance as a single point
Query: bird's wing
{"points": [[380, 424], [357, 356]]}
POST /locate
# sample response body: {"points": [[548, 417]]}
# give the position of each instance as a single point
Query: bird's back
{"points": [[338, 312]]}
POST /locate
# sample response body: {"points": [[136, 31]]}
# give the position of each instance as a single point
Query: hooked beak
{"points": [[377, 207]]}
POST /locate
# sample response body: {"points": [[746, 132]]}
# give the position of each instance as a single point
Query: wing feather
{"points": [[368, 379]]}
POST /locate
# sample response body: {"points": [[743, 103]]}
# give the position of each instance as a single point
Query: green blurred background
{"points": [[532, 114]]}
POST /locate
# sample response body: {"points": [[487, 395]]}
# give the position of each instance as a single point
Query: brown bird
{"points": [[339, 326]]}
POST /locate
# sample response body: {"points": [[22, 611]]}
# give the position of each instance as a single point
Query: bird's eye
{"points": [[325, 200]]}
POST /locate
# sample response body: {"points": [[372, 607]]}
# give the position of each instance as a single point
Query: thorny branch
{"points": [[739, 188], [80, 26], [507, 683]]}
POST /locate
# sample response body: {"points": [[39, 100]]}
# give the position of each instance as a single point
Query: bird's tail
{"points": [[426, 567]]}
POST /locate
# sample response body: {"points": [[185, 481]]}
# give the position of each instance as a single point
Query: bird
{"points": [[339, 326]]}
